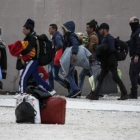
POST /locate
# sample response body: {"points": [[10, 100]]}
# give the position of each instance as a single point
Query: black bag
{"points": [[101, 49], [19, 65], [46, 50], [37, 92], [121, 49], [25, 113]]}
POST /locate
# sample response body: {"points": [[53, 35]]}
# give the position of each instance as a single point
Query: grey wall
{"points": [[13, 14]]}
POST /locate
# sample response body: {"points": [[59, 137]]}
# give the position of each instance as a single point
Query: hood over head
{"points": [[69, 26]]}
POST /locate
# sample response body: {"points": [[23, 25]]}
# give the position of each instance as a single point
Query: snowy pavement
{"points": [[106, 119], [105, 104]]}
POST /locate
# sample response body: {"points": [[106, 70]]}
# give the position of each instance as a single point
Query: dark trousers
{"points": [[110, 65], [31, 68], [134, 72]]}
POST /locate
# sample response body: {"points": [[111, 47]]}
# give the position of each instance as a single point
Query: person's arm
{"points": [[137, 55], [111, 43], [31, 45], [59, 42], [75, 44], [138, 45]]}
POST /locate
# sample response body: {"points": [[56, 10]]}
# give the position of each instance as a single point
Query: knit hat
{"points": [[30, 22]]}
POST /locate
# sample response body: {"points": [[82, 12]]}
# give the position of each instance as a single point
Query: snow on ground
{"points": [[80, 124]]}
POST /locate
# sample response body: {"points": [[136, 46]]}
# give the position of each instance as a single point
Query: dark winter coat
{"points": [[71, 39]]}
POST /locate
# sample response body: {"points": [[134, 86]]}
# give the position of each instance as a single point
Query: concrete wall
{"points": [[13, 14]]}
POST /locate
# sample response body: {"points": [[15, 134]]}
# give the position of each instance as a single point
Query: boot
{"points": [[123, 97], [93, 96], [132, 96]]}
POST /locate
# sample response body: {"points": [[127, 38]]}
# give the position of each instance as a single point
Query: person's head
{"points": [[68, 27], [28, 27], [90, 27], [134, 23], [104, 29], [52, 29]]}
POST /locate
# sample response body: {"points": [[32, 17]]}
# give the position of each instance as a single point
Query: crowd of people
{"points": [[96, 35]]}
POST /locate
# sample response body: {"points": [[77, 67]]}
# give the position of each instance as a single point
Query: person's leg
{"points": [[38, 79], [27, 71], [134, 74], [73, 87], [93, 65], [95, 94], [50, 71], [63, 82], [82, 75], [118, 81], [76, 77]]}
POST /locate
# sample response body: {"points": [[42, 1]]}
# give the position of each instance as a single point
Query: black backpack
{"points": [[25, 113], [37, 92], [121, 49], [45, 50]]}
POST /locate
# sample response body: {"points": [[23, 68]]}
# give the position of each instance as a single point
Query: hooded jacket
{"points": [[70, 38], [134, 47]]}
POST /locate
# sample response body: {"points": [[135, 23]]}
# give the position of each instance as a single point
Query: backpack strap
{"points": [[38, 46]]}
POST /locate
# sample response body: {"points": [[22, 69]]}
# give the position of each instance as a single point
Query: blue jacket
{"points": [[134, 47], [57, 40], [71, 39], [111, 43]]}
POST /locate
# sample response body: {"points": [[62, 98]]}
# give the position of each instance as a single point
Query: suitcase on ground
{"points": [[54, 112]]}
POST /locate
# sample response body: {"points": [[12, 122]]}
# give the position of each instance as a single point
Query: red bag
{"points": [[58, 56], [54, 112]]}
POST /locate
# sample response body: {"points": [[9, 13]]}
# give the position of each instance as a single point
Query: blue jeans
{"points": [[84, 73], [71, 80], [54, 75], [31, 68], [50, 71]]}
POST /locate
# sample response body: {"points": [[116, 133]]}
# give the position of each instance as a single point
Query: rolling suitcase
{"points": [[54, 112]]}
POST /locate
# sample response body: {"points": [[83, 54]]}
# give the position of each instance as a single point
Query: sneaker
{"points": [[68, 96], [79, 95], [17, 95], [52, 92], [75, 94], [124, 97]]}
